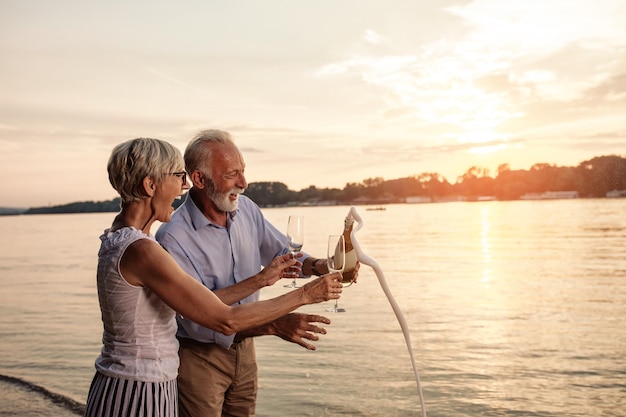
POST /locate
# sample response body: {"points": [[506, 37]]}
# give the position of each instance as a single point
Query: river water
{"points": [[514, 309]]}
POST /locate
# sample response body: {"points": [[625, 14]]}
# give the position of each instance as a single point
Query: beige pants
{"points": [[217, 382]]}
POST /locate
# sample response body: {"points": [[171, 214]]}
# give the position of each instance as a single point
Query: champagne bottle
{"points": [[350, 259]]}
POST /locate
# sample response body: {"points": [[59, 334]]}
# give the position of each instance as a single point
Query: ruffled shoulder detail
{"points": [[120, 238]]}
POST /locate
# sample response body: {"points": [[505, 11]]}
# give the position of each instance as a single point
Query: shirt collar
{"points": [[198, 219]]}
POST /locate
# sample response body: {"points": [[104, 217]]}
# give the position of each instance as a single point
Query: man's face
{"points": [[227, 178]]}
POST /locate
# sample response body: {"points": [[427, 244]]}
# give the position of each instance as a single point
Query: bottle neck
{"points": [[347, 229]]}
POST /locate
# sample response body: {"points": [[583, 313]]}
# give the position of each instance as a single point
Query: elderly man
{"points": [[220, 237]]}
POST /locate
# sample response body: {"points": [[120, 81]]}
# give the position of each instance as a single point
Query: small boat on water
{"points": [[379, 208]]}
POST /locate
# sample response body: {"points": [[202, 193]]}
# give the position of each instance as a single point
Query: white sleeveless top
{"points": [[139, 338]]}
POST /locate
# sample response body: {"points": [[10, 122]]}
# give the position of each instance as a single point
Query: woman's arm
{"points": [[266, 277], [146, 263]]}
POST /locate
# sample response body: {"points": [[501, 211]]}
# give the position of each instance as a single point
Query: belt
{"points": [[192, 342]]}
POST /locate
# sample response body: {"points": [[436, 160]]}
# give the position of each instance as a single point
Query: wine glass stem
{"points": [[294, 278]]}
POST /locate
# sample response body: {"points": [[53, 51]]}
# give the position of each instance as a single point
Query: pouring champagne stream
{"points": [[371, 262]]}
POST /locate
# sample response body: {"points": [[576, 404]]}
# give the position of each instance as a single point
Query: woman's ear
{"points": [[149, 186]]}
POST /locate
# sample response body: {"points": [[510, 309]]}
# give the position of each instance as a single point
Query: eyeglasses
{"points": [[182, 175]]}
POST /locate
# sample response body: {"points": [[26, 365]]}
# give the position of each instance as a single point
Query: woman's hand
{"points": [[324, 288], [284, 266]]}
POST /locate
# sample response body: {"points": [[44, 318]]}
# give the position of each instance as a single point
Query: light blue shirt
{"points": [[220, 256]]}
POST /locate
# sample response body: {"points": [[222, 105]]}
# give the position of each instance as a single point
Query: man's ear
{"points": [[149, 186], [197, 179]]}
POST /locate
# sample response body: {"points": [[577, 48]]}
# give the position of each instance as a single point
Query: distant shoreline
{"points": [[599, 177], [377, 205]]}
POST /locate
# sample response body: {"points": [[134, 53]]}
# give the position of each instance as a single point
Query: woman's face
{"points": [[174, 184]]}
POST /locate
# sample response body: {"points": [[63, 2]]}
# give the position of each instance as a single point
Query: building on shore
{"points": [[616, 194], [550, 195]]}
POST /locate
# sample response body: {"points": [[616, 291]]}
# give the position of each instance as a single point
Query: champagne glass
{"points": [[336, 257], [295, 240]]}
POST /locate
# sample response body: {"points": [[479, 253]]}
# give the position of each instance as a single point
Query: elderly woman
{"points": [[140, 287]]}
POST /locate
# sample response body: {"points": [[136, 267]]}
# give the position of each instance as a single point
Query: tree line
{"points": [[593, 178]]}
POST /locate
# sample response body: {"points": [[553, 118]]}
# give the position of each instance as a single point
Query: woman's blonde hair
{"points": [[132, 161]]}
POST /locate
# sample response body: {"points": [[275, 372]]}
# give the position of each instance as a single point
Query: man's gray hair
{"points": [[198, 155]]}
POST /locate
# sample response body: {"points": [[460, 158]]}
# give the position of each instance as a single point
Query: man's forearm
{"points": [[264, 330]]}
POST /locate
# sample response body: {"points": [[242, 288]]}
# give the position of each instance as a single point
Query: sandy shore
{"points": [[21, 400]]}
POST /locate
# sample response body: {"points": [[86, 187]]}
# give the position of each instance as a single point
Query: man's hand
{"points": [[322, 267], [356, 271], [298, 328]]}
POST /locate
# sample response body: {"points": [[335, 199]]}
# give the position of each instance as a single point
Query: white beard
{"points": [[222, 201]]}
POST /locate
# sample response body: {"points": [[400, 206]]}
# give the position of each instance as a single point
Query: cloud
{"points": [[514, 69], [372, 37], [174, 80], [610, 90], [248, 149]]}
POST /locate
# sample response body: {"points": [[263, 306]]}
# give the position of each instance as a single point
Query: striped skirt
{"points": [[123, 397]]}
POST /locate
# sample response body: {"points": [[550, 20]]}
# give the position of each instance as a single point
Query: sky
{"points": [[323, 93]]}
